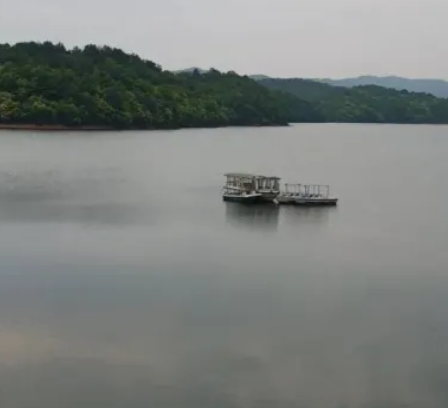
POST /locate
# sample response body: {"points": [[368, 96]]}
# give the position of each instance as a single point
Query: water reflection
{"points": [[78, 196], [264, 216], [307, 215]]}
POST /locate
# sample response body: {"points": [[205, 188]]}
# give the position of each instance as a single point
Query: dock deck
{"points": [[306, 195]]}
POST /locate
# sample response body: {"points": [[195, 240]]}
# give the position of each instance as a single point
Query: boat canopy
{"points": [[251, 176]]}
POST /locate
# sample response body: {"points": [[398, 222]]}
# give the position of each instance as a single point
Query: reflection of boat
{"points": [[307, 215], [265, 216], [306, 195], [250, 188]]}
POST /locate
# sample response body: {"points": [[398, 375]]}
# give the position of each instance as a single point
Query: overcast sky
{"points": [[284, 38]]}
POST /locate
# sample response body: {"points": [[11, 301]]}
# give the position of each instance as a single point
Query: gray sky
{"points": [[307, 38]]}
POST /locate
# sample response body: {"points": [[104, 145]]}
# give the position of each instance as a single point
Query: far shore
{"points": [[10, 126], [85, 128], [21, 126]]}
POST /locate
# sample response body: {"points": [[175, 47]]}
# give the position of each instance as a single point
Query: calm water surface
{"points": [[125, 281]]}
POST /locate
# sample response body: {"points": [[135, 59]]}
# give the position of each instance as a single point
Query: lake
{"points": [[125, 281]]}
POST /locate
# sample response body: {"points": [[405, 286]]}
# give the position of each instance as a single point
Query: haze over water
{"points": [[125, 281]]}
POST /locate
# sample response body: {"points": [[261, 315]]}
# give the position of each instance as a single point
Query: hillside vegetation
{"points": [[47, 84], [365, 104], [103, 87]]}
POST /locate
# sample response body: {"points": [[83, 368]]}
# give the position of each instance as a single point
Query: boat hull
{"points": [[269, 196], [243, 199], [286, 199]]}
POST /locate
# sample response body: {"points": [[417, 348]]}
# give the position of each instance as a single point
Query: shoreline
{"points": [[18, 126], [88, 128], [10, 126]]}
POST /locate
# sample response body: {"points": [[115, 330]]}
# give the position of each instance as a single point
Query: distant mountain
{"points": [[258, 77], [436, 87], [364, 103]]}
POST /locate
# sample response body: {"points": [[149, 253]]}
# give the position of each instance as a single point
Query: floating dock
{"points": [[306, 195], [247, 188]]}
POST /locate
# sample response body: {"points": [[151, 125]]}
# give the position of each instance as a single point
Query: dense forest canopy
{"points": [[106, 87], [365, 104], [47, 84]]}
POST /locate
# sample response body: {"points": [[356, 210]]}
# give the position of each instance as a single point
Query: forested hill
{"points": [[365, 104], [103, 87], [47, 84]]}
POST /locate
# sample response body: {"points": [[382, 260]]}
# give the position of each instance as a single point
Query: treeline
{"points": [[47, 84], [364, 104], [103, 87]]}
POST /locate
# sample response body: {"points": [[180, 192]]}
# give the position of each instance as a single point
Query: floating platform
{"points": [[246, 188], [307, 201], [306, 195]]}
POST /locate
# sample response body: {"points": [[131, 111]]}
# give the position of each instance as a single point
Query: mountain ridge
{"points": [[364, 103], [433, 86]]}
